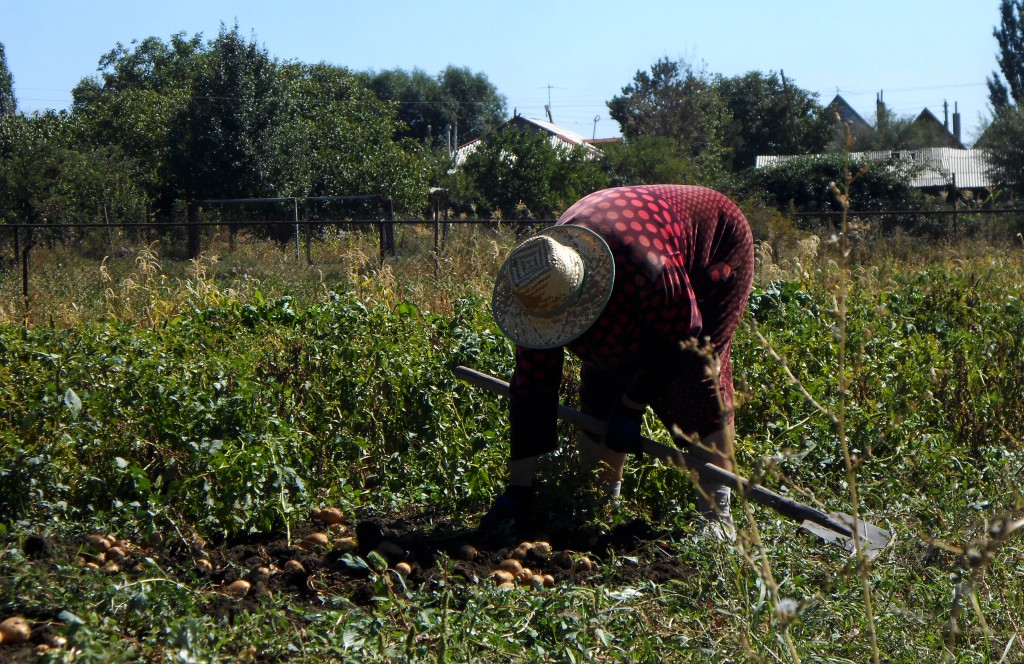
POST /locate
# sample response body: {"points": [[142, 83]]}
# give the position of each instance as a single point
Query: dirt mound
{"points": [[347, 559]]}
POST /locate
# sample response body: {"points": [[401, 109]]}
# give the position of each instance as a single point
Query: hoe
{"points": [[834, 527]]}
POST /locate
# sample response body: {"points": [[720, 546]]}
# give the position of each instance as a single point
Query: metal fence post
{"points": [[309, 230], [193, 229], [956, 207], [29, 243], [387, 231], [295, 206]]}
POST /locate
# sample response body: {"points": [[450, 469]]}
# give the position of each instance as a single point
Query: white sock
{"points": [[611, 489], [714, 502]]}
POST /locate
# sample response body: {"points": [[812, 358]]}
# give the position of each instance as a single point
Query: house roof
{"points": [[615, 140], [560, 137], [563, 134], [941, 131], [940, 166], [847, 114]]}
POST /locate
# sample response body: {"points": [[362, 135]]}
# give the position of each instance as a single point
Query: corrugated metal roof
{"points": [[560, 137], [566, 135], [940, 165]]}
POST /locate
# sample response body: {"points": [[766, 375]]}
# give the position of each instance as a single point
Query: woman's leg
{"points": [[599, 392]]}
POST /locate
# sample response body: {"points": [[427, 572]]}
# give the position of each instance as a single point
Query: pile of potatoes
{"points": [[511, 572], [387, 555], [333, 538], [334, 519], [106, 553]]}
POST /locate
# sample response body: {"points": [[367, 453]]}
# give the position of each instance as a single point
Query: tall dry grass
{"points": [[145, 283]]}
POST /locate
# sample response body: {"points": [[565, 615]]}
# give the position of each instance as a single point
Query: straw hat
{"points": [[553, 286]]}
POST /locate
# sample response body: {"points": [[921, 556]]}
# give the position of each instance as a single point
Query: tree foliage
{"points": [[771, 116], [218, 141], [716, 124], [335, 136], [224, 119], [902, 132], [1004, 140], [803, 184], [649, 160], [1010, 37], [8, 104], [456, 99], [678, 102], [520, 174], [45, 178], [134, 102]]}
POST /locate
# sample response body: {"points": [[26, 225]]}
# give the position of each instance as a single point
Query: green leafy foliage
{"points": [[224, 119], [235, 416], [1008, 91], [8, 103], [679, 102], [45, 177], [649, 160], [242, 425], [771, 115], [1004, 139], [520, 168], [456, 100], [802, 183]]}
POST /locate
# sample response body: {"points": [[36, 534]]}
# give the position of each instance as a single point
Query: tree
{"points": [[771, 116], [649, 160], [46, 178], [458, 99], [677, 102], [8, 104], [416, 98], [1010, 37], [218, 140], [133, 103], [519, 168], [802, 183], [1004, 140], [471, 101], [223, 119], [335, 137]]}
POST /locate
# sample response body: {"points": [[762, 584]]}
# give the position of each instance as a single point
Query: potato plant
{"points": [[215, 441]]}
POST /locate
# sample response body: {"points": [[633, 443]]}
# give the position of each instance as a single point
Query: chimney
{"points": [[879, 111], [956, 124], [547, 110], [945, 115]]}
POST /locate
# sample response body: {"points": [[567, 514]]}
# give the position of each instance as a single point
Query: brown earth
{"points": [[433, 550]]}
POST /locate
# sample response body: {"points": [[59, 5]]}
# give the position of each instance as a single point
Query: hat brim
{"points": [[539, 332]]}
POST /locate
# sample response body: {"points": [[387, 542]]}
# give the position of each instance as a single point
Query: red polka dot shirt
{"points": [[663, 238]]}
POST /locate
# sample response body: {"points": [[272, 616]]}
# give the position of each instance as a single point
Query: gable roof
{"points": [[560, 137], [563, 135], [939, 129], [848, 115]]}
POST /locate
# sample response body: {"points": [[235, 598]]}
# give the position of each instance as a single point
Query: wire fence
{"points": [[324, 241], [310, 229]]}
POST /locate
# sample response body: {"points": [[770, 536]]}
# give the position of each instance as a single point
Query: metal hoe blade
{"points": [[835, 527], [872, 538]]}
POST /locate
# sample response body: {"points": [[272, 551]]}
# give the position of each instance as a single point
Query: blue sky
{"points": [[577, 54]]}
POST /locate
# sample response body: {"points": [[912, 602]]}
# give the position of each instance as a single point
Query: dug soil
{"points": [[349, 559]]}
